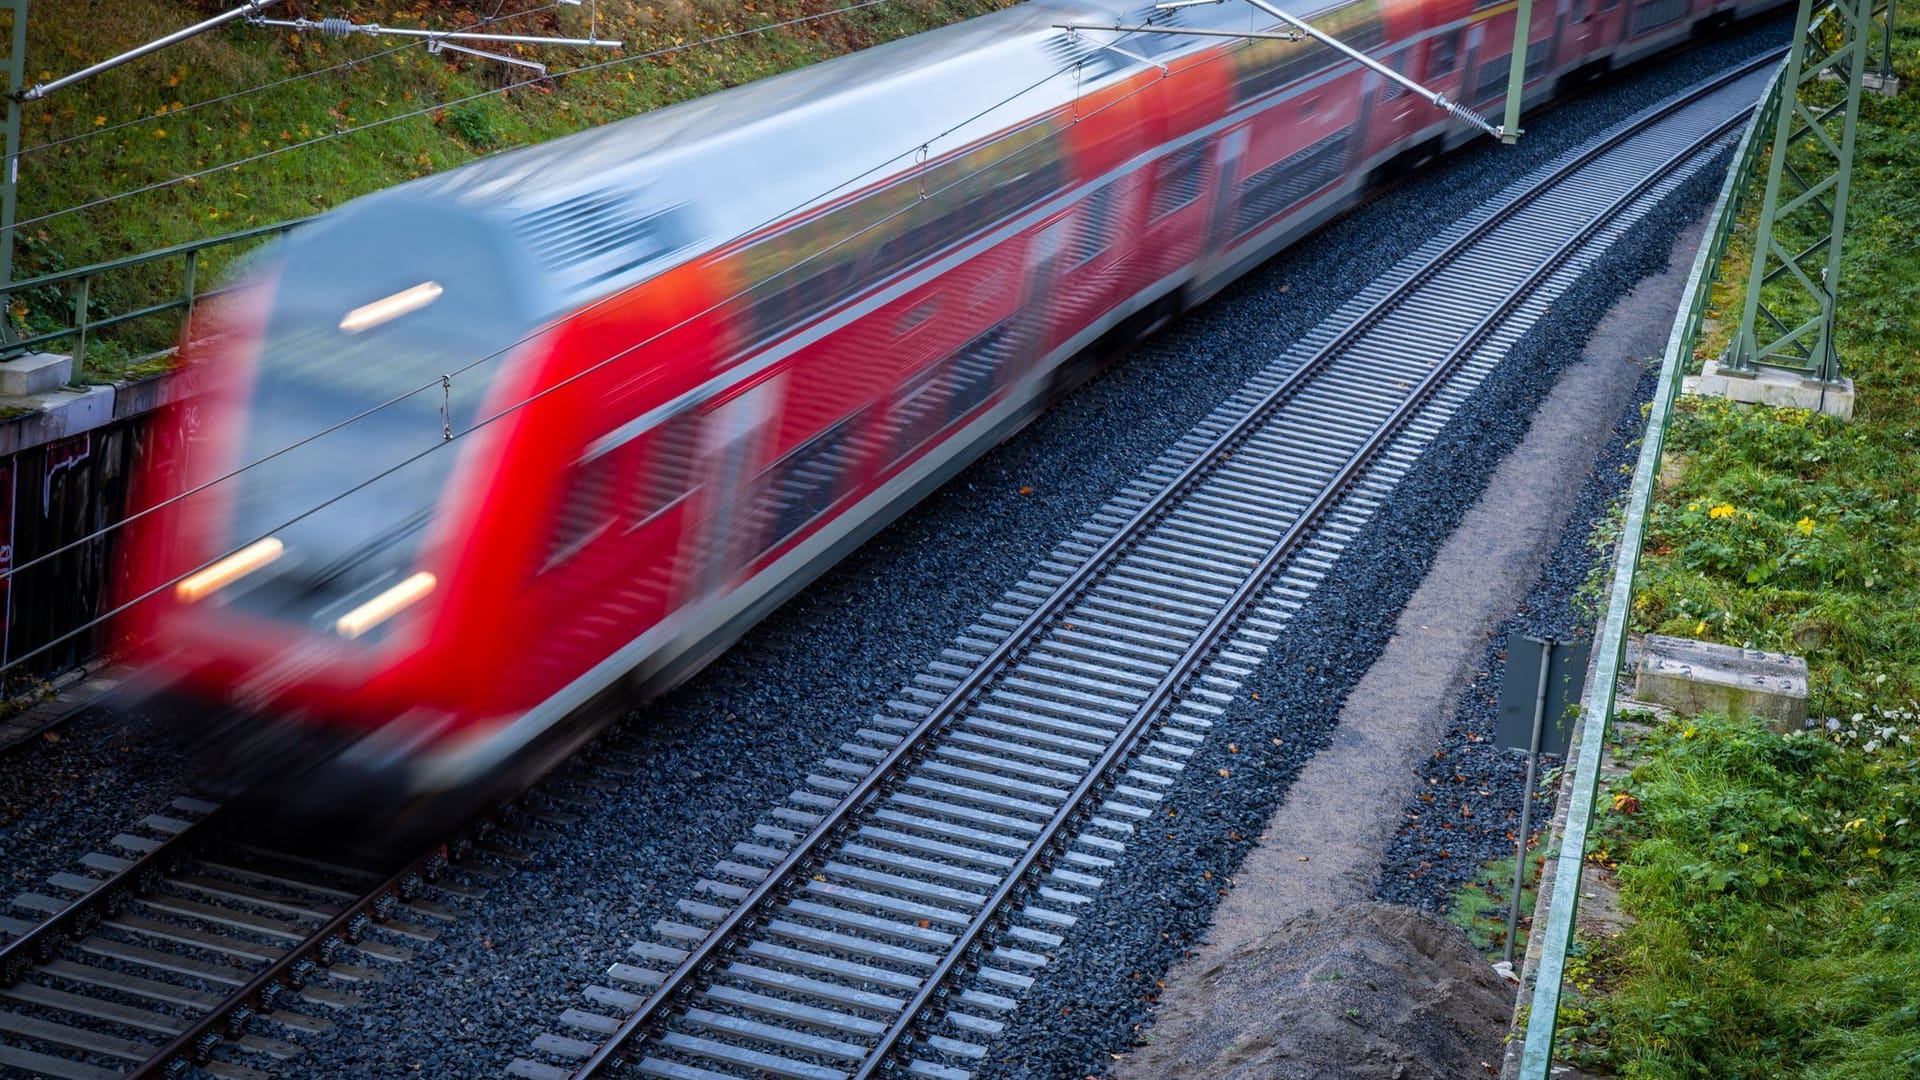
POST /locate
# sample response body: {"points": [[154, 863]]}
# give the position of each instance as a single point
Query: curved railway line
{"points": [[886, 916], [882, 919]]}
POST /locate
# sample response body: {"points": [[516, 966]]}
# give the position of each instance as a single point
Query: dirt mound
{"points": [[1369, 991]]}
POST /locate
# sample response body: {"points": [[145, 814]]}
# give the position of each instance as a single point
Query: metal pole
{"points": [[1791, 325], [1121, 28], [10, 172], [341, 28], [1436, 98], [1517, 77], [1526, 798], [247, 8]]}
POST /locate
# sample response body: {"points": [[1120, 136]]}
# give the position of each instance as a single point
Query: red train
{"points": [[565, 421]]}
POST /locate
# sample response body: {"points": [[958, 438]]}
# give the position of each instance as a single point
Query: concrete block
{"points": [[1776, 388], [1700, 676], [34, 373]]}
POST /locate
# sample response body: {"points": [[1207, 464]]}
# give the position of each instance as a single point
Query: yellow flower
{"points": [[1805, 525], [1693, 507], [1723, 510], [1700, 627]]}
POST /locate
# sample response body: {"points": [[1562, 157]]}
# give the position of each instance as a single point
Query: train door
{"points": [[733, 445], [1046, 261], [1578, 37], [1231, 152], [1395, 112]]}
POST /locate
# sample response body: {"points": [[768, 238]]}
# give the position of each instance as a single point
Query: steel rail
{"points": [[78, 919], [920, 1011], [260, 995], [701, 962], [291, 971]]}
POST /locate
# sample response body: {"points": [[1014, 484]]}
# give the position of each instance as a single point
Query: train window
{"points": [[1097, 216], [1177, 179], [1442, 54], [977, 369], [1491, 81], [802, 485], [916, 413], [586, 510], [943, 392], [1269, 64], [1652, 14], [1269, 192], [667, 475], [806, 269], [1390, 89], [1539, 55]]}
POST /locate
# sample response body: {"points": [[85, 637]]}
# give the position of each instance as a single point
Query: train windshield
{"points": [[388, 324]]}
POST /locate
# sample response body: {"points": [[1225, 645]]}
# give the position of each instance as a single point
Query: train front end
{"points": [[309, 510]]}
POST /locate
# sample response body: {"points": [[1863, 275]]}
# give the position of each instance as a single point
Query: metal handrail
{"points": [[1597, 709], [78, 283]]}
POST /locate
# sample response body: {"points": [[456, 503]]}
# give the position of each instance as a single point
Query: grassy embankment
{"points": [[171, 139], [1775, 881]]}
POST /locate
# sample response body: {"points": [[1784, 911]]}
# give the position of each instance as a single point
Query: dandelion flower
{"points": [[1723, 510], [1805, 525]]}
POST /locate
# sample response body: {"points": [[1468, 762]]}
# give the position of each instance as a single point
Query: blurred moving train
{"points": [[561, 423]]}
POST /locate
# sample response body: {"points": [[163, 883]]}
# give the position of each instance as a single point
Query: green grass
{"points": [[1776, 883], [1776, 880], [170, 141], [1479, 908]]}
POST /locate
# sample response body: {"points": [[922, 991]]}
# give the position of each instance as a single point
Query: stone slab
{"points": [[1701, 676], [57, 414], [1774, 388], [34, 373]]}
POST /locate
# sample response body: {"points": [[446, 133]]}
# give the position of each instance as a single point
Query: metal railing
{"points": [[1597, 711], [77, 285]]}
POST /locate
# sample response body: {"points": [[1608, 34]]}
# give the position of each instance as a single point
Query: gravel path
{"points": [[1438, 848]]}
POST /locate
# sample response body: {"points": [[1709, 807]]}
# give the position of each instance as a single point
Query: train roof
{"points": [[588, 204]]}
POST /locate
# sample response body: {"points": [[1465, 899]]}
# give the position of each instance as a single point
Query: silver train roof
{"points": [[742, 158]]}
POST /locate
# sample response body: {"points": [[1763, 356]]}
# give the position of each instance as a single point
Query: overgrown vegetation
{"points": [[331, 135], [1479, 908], [1775, 879]]}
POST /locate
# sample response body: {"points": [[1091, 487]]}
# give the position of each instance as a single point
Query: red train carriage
{"points": [[565, 421]]}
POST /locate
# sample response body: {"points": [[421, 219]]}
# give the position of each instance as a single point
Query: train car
{"points": [[481, 453]]}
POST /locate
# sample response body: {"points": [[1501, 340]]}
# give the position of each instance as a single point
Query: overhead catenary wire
{"points": [[343, 65], [516, 406], [427, 110], [129, 519]]}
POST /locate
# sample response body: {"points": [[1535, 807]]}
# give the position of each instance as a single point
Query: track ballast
{"points": [[888, 914]]}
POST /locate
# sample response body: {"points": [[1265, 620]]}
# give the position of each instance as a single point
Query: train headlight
{"points": [[386, 605], [200, 585], [389, 308]]}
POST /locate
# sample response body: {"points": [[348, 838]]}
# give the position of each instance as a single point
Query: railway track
{"points": [[886, 916], [181, 948]]}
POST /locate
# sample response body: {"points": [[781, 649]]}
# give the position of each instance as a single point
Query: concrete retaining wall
{"points": [[64, 475]]}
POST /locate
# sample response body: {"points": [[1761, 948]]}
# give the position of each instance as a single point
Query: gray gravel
{"points": [[1438, 848], [717, 753], [64, 796]]}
